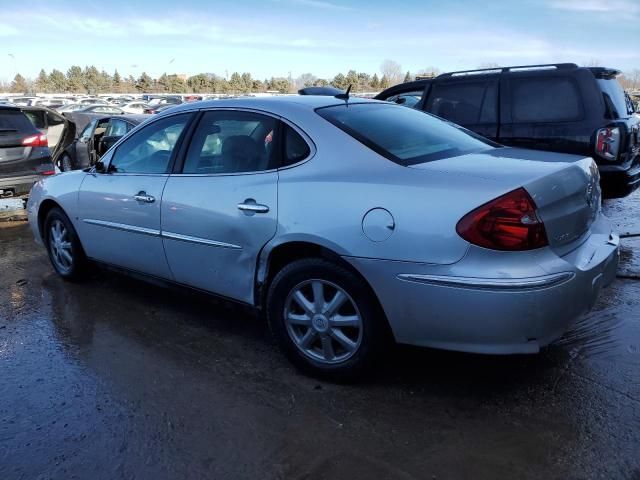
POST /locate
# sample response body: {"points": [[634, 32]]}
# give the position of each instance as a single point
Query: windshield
{"points": [[615, 98], [403, 135]]}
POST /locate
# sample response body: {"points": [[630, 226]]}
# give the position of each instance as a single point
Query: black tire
{"points": [[78, 265], [374, 334], [65, 163]]}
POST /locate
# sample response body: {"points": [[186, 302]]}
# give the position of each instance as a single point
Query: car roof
{"points": [[276, 104], [4, 106]]}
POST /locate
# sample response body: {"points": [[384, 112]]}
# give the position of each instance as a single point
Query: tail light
{"points": [[608, 142], [509, 222], [36, 141]]}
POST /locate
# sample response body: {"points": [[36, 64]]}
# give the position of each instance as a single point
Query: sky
{"points": [[324, 37]]}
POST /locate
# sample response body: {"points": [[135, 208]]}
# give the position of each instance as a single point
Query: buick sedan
{"points": [[351, 223]]}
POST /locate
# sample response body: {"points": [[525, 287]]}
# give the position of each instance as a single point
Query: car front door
{"points": [[83, 143], [221, 208], [120, 205]]}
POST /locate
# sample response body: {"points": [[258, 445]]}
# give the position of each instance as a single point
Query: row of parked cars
{"points": [[353, 223]]}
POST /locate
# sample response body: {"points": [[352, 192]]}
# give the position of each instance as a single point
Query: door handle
{"points": [[143, 197], [250, 206]]}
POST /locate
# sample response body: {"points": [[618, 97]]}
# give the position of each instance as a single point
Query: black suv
{"points": [[24, 153], [557, 107]]}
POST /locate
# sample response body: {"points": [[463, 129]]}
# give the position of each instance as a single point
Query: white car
{"points": [[134, 107]]}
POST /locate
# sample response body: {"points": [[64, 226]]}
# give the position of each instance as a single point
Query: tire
{"points": [[356, 331], [65, 163], [63, 246]]}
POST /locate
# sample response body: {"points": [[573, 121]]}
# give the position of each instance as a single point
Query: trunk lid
{"points": [[565, 188]]}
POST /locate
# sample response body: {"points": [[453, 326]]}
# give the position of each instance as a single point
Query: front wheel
{"points": [[325, 319], [63, 245]]}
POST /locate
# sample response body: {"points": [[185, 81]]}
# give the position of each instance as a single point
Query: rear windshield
{"points": [[12, 121], [615, 98], [403, 135]]}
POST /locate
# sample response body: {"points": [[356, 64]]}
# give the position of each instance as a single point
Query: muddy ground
{"points": [[114, 378]]}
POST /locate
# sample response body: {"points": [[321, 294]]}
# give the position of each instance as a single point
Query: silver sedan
{"points": [[351, 223]]}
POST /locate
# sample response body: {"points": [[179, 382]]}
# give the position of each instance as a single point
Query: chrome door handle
{"points": [[143, 197], [250, 206]]}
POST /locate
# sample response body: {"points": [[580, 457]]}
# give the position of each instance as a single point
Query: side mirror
{"points": [[99, 167], [401, 100]]}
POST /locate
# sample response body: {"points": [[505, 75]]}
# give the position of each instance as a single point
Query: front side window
{"points": [[467, 103], [116, 128], [545, 99], [88, 130], [228, 141], [403, 135], [149, 150]]}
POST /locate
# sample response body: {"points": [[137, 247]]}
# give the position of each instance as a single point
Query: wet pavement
{"points": [[115, 379]]}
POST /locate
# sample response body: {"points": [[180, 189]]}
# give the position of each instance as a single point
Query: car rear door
{"points": [[471, 103], [120, 205], [221, 208]]}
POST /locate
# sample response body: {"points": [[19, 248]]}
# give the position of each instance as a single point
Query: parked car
{"points": [[560, 107], [98, 135], [158, 108], [24, 153], [71, 107], [349, 222], [134, 107], [100, 108], [24, 101], [49, 122]]}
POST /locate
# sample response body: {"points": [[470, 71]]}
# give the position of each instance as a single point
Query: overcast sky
{"points": [[275, 37]]}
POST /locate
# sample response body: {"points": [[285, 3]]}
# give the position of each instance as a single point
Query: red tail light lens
{"points": [[36, 141], [508, 223], [608, 142]]}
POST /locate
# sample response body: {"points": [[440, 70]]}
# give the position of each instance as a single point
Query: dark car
{"points": [[558, 107], [153, 109], [97, 134], [102, 109], [24, 153]]}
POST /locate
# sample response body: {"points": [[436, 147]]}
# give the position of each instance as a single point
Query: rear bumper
{"points": [[619, 181], [467, 310], [18, 185]]}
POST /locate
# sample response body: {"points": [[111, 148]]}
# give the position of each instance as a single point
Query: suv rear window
{"points": [[12, 121], [545, 99], [615, 98], [403, 135]]}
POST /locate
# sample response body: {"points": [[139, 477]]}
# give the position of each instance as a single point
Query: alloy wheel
{"points": [[323, 321], [60, 246]]}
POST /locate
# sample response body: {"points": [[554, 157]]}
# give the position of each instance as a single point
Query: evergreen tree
{"points": [[57, 81], [352, 79], [408, 77], [384, 82], [144, 83], [117, 82], [375, 83], [235, 83], [42, 82], [339, 81], [75, 79], [19, 84], [247, 82]]}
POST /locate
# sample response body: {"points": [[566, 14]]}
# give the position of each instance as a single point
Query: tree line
{"points": [[91, 80]]}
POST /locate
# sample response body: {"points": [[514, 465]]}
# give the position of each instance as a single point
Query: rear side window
{"points": [[12, 121], [403, 135], [37, 118], [295, 148], [468, 103], [545, 99], [614, 97]]}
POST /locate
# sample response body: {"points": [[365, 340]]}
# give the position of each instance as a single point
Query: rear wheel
{"points": [[325, 319], [65, 252]]}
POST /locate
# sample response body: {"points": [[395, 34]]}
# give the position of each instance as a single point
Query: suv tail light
{"points": [[608, 142], [36, 141], [509, 222]]}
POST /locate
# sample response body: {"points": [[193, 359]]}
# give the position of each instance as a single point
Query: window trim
{"points": [[571, 79], [174, 153], [179, 163]]}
